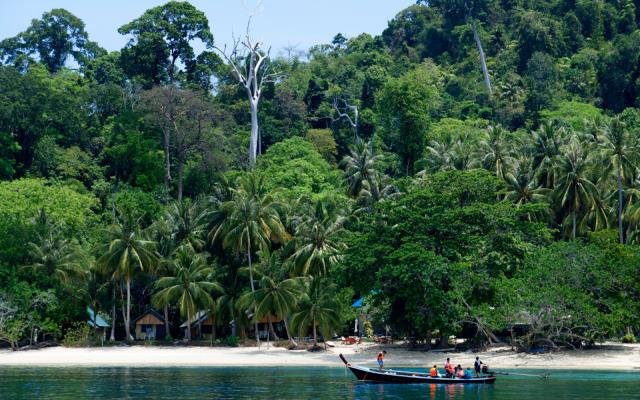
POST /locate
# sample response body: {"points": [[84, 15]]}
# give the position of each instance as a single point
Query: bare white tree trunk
{"points": [[483, 61], [251, 67], [253, 144]]}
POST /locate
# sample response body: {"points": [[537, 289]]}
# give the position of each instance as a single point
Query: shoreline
{"points": [[618, 357]]}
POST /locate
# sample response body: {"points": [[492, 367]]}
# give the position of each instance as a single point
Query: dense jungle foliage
{"points": [[498, 207]]}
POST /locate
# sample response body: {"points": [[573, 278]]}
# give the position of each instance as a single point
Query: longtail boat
{"points": [[394, 376]]}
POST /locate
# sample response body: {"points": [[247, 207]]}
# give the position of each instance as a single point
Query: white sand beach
{"points": [[609, 357]]}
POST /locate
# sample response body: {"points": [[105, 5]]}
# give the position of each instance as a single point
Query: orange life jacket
{"points": [[380, 356], [433, 372]]}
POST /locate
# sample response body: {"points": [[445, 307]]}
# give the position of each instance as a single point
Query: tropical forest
{"points": [[472, 171]]}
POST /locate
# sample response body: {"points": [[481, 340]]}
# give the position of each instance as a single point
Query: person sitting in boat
{"points": [[433, 372], [468, 374], [380, 358], [477, 365], [459, 371]]}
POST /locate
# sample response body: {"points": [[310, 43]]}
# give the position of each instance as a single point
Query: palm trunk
{"points": [[620, 206], [272, 331], [253, 292], [286, 328], [483, 61], [315, 334], [166, 321], [112, 337], [188, 334], [127, 323], [573, 228]]}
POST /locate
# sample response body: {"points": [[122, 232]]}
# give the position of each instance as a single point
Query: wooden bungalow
{"points": [[202, 326], [278, 326], [150, 325]]}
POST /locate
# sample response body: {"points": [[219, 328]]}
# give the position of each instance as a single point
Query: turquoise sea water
{"points": [[293, 383]]}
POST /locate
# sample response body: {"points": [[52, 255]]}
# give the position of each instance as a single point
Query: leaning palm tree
{"points": [[56, 257], [620, 155], [249, 222], [317, 241], [317, 310], [360, 164], [126, 254], [189, 283], [494, 151], [574, 191]]}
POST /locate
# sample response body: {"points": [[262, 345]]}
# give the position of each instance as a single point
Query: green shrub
{"points": [[79, 335], [629, 338], [232, 341]]}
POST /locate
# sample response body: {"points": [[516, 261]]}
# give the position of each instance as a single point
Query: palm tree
{"points": [[317, 310], [189, 283], [440, 154], [574, 190], [494, 151], [188, 221], [277, 294], [619, 152], [522, 185], [317, 240], [360, 164], [377, 188], [596, 217], [545, 148], [56, 257], [249, 222], [126, 254]]}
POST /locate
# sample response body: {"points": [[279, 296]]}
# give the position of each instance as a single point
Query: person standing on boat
{"points": [[448, 368], [477, 366], [380, 358]]}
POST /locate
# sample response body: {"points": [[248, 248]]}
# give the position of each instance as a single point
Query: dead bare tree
{"points": [[252, 67], [342, 114]]}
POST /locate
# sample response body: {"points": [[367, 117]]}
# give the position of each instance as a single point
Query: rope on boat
{"points": [[541, 376]]}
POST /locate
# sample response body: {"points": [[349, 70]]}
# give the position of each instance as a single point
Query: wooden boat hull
{"points": [[392, 376]]}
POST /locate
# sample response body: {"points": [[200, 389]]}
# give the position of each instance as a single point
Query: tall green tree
{"points": [[162, 38], [55, 37], [317, 311], [126, 254], [574, 190], [495, 152], [406, 106], [317, 240], [620, 154], [277, 294], [189, 283], [360, 165], [249, 222]]}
